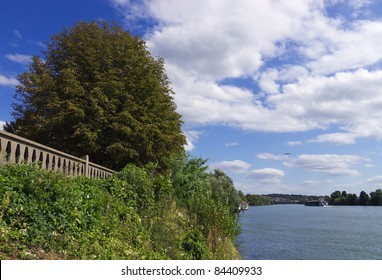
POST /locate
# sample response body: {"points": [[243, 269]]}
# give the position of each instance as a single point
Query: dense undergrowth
{"points": [[136, 214]]}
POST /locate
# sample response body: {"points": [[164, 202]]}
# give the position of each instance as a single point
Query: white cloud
{"points": [[19, 58], [294, 143], [330, 164], [8, 81], [271, 156], [236, 166], [268, 81], [267, 175], [336, 138], [192, 137], [349, 100], [219, 39], [2, 123], [350, 49], [322, 78], [376, 179]]}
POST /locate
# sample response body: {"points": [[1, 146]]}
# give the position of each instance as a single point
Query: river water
{"points": [[298, 232]]}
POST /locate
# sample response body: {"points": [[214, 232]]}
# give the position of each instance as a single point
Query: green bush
{"points": [[136, 214]]}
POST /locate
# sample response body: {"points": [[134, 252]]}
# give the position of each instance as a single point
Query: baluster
{"points": [[2, 151], [54, 162], [17, 153], [64, 166], [59, 163], [70, 170], [22, 149], [34, 156], [48, 162], [11, 151], [42, 159], [27, 154]]}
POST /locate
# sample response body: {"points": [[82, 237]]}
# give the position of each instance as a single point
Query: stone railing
{"points": [[16, 149]]}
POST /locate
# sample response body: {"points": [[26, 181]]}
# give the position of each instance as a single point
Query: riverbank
{"points": [[133, 215]]}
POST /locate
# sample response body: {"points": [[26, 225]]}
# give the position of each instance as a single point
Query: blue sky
{"points": [[284, 96]]}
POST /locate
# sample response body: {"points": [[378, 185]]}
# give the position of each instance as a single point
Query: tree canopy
{"points": [[338, 198], [98, 91]]}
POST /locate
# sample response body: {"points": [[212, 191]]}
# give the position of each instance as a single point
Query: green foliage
{"points": [[258, 200], [137, 214], [376, 197], [223, 190], [195, 245], [209, 200], [98, 91], [363, 198], [343, 198], [188, 177], [75, 217]]}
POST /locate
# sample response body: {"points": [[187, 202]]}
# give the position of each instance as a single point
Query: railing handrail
{"points": [[26, 141], [18, 140]]}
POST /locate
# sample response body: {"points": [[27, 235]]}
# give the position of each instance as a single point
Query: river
{"points": [[298, 232]]}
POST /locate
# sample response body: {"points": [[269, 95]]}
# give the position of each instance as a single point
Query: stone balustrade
{"points": [[16, 149]]}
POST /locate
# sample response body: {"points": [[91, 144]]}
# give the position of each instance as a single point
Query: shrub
{"points": [[136, 214]]}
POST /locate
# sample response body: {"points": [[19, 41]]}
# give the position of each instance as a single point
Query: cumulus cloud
{"points": [[2, 123], [8, 81], [235, 166], [336, 138], [326, 72], [19, 58], [267, 175], [192, 137], [330, 164]]}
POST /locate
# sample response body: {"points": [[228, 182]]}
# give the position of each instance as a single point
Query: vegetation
{"points": [[343, 198], [258, 200], [336, 198], [290, 198], [136, 214], [98, 91]]}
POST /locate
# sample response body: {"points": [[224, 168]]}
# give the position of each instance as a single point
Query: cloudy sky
{"points": [[284, 96]]}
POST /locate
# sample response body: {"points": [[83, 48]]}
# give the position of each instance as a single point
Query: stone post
{"points": [[86, 171]]}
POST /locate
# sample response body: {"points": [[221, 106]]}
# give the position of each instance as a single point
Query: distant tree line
{"points": [[255, 200], [336, 198], [258, 200], [278, 198], [344, 198]]}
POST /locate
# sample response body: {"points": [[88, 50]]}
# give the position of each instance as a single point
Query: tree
{"points": [[335, 195], [258, 200], [376, 197], [189, 176], [242, 196], [363, 198], [351, 199], [224, 190], [98, 91]]}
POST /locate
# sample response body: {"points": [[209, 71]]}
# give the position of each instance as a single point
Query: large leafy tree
{"points": [[99, 91]]}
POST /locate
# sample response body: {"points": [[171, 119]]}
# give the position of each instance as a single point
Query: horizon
{"points": [[284, 97]]}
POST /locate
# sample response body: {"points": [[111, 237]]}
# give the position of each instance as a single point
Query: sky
{"points": [[284, 96]]}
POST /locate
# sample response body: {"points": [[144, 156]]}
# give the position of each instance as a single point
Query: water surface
{"points": [[293, 232]]}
